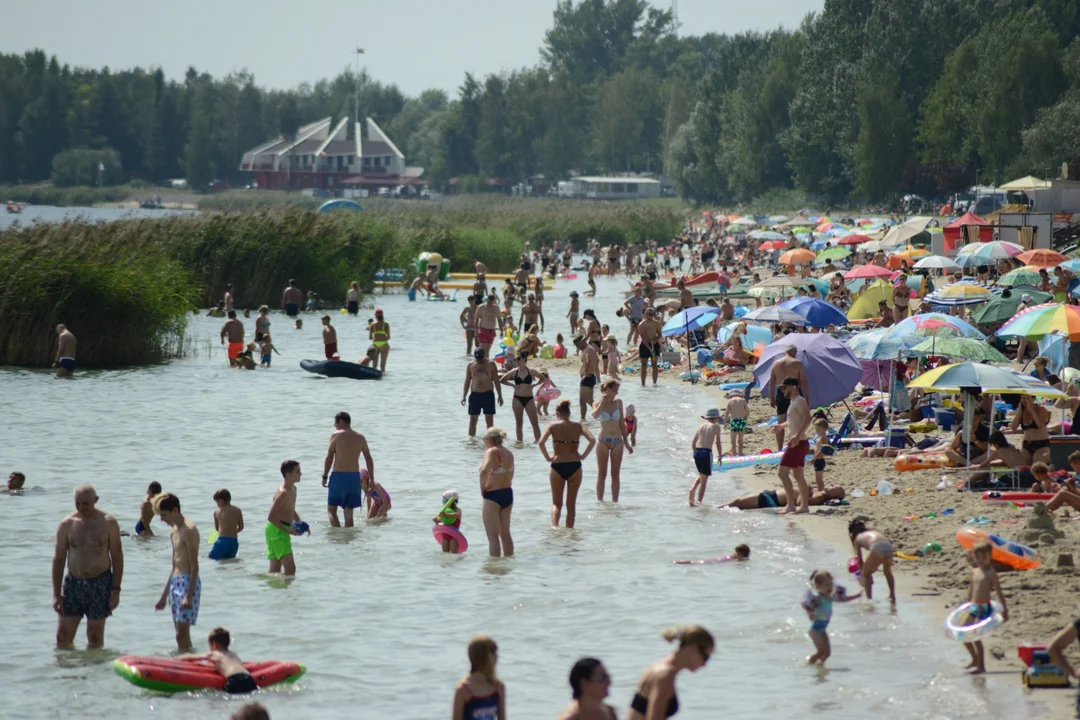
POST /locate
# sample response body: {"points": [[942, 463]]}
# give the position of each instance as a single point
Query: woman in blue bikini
{"points": [[609, 411], [565, 474], [496, 475]]}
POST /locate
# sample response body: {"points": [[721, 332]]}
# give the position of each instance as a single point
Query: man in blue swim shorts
{"points": [[184, 587], [341, 471], [65, 352]]}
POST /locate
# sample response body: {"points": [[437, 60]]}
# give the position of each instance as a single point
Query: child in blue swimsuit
{"points": [[818, 602]]}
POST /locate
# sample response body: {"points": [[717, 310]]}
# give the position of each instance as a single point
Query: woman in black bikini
{"points": [[565, 471], [496, 477], [592, 329], [523, 380], [656, 688], [1032, 419]]}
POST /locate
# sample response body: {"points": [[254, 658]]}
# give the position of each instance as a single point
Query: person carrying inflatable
{"points": [[984, 583], [449, 516]]}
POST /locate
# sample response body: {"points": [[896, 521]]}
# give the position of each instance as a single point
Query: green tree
{"points": [[883, 147], [198, 160]]}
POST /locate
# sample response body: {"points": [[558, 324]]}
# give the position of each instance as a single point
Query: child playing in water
{"points": [[371, 356], [146, 510], [560, 348], [879, 554], [226, 662], [822, 449], [736, 413], [984, 583], [817, 602], [610, 351], [228, 522], [707, 435], [246, 359], [378, 500], [450, 514], [631, 424], [299, 324], [266, 349], [742, 552], [545, 393]]}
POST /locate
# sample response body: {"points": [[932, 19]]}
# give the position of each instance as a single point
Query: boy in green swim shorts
{"points": [[279, 522]]}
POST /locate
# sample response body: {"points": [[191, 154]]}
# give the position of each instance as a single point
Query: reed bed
{"points": [[78, 196]]}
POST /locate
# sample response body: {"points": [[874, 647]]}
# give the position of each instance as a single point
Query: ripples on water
{"points": [[379, 615]]}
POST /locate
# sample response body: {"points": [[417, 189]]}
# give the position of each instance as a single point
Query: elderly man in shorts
{"points": [[88, 542]]}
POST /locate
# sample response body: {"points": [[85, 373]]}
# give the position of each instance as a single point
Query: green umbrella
{"points": [[960, 347], [1020, 276], [834, 253], [1002, 308]]}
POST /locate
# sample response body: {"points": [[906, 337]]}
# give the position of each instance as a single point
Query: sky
{"points": [[416, 44]]}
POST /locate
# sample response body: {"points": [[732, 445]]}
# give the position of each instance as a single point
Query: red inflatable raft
{"points": [[168, 675]]}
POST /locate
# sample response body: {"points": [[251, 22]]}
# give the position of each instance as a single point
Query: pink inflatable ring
{"points": [[449, 532]]}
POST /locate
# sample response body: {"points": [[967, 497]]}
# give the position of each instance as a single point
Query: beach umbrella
{"points": [[798, 256], [777, 219], [767, 235], [753, 335], [960, 347], [1002, 308], [1041, 258], [1070, 265], [900, 234], [872, 246], [1020, 276], [817, 245], [833, 253], [991, 252], [817, 313], [866, 304], [878, 344], [831, 370], [961, 377], [745, 220], [867, 271], [774, 314], [773, 245], [855, 239], [1055, 348], [1039, 320], [685, 322], [913, 252], [926, 324], [961, 293], [936, 262]]}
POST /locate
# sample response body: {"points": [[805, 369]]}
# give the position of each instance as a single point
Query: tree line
{"points": [[866, 100]]}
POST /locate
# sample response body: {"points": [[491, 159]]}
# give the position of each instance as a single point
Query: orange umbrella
{"points": [[798, 256], [895, 261], [1041, 258], [773, 245]]}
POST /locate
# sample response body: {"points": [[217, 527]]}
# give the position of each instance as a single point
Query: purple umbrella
{"points": [[878, 374], [832, 370]]}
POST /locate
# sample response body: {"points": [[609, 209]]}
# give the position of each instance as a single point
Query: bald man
{"points": [[88, 543]]}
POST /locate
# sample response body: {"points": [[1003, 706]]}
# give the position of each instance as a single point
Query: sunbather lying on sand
{"points": [[778, 498]]}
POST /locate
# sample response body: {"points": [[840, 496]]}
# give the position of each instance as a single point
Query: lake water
{"points": [[49, 213], [377, 613]]}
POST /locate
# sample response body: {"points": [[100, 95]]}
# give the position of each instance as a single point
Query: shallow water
{"points": [[380, 616], [49, 213]]}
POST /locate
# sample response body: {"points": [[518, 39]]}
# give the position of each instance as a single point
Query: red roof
{"points": [[968, 218]]}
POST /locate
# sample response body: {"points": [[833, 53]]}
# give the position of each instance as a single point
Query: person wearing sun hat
{"points": [[705, 438]]}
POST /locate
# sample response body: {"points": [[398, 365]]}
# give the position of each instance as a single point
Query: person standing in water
{"points": [[575, 306], [793, 460], [88, 544], [233, 329], [481, 385], [352, 299], [262, 323], [649, 333], [656, 695], [609, 411], [228, 524], [488, 323], [496, 477], [344, 482], [379, 334], [480, 695], [279, 521], [590, 683], [146, 510], [523, 384], [707, 435], [65, 352], [590, 372], [291, 299], [467, 318], [329, 338], [184, 586], [229, 302], [530, 311], [565, 474]]}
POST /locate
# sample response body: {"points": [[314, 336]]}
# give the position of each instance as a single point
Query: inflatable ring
{"points": [[969, 633], [449, 532], [547, 352]]}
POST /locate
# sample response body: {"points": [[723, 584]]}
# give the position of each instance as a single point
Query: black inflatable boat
{"points": [[340, 368]]}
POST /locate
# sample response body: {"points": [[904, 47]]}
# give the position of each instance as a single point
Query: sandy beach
{"points": [[1040, 601]]}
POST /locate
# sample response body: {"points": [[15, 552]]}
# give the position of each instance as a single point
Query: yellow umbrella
{"points": [[798, 256], [914, 252], [866, 304]]}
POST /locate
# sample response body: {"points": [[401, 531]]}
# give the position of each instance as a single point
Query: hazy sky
{"points": [[417, 44]]}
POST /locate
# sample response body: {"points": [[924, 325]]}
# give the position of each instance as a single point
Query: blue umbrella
{"points": [[880, 345], [693, 318], [818, 313], [754, 335], [774, 314]]}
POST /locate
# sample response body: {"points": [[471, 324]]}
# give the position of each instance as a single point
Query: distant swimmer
{"points": [[15, 482], [251, 711], [742, 552], [227, 663], [379, 334], [146, 510], [183, 589], [341, 471], [233, 329], [229, 302], [65, 352], [481, 386], [88, 543], [262, 323], [291, 299], [228, 523], [282, 522]]}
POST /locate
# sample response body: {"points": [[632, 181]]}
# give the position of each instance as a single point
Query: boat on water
{"points": [[341, 368]]}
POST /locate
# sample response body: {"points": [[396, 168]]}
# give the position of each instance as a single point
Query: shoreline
{"points": [[931, 583]]}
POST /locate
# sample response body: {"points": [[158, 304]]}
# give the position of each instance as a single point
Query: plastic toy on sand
{"points": [[929, 461]]}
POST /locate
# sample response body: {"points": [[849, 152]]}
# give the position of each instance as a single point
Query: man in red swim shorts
{"points": [[488, 321], [794, 457]]}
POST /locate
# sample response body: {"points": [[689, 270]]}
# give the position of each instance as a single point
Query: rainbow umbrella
{"points": [[982, 378], [1040, 320], [992, 251]]}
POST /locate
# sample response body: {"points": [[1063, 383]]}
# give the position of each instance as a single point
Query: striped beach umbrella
{"points": [[986, 378], [961, 293], [1039, 320]]}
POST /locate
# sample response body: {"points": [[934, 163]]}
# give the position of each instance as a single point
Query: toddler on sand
{"points": [[817, 602], [984, 583]]}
